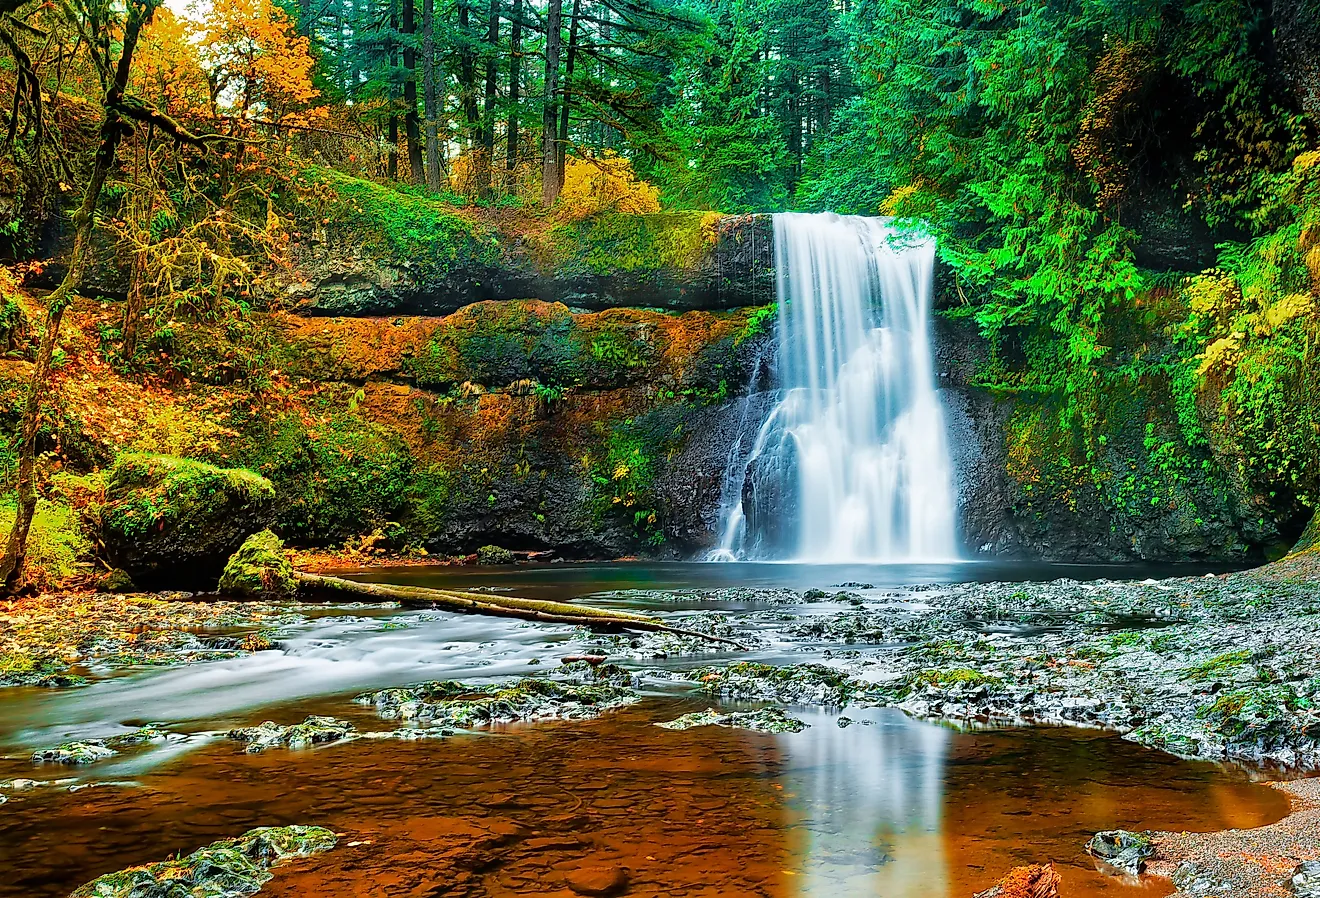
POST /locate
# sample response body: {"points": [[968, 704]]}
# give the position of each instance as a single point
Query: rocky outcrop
{"points": [[1025, 490], [671, 260], [181, 519]]}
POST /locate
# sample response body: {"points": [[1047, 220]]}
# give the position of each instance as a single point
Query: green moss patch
{"points": [[227, 869], [260, 568]]}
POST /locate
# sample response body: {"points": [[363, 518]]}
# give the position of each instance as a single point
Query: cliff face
{"points": [[1028, 488], [434, 263]]}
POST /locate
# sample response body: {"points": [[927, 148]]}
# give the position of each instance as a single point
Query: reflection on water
{"points": [[871, 799]]}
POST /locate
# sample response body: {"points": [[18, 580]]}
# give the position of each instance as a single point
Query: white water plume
{"points": [[853, 464]]}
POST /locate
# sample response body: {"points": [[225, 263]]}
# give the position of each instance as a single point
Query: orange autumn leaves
{"points": [[238, 58]]}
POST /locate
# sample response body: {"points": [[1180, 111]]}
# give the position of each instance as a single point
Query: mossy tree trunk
{"points": [[113, 129]]}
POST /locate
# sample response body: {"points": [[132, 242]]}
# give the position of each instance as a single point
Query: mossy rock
{"points": [[494, 555], [175, 521], [226, 869], [259, 569]]}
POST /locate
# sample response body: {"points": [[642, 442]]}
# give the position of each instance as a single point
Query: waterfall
{"points": [[853, 464]]}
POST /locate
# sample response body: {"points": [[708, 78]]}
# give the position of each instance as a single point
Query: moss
{"points": [[1219, 665], [337, 475], [494, 555], [227, 869], [57, 548], [152, 492], [609, 244], [406, 225], [958, 676], [260, 568]]}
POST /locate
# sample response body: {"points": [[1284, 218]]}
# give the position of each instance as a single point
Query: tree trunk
{"points": [[549, 118], [488, 108], [567, 93], [515, 88], [112, 131], [467, 77], [412, 128], [136, 300], [392, 165], [315, 585], [429, 99]]}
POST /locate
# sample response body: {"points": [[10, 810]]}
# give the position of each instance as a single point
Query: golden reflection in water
{"points": [[894, 808]]}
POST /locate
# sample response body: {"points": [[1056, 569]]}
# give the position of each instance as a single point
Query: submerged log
{"points": [[319, 585]]}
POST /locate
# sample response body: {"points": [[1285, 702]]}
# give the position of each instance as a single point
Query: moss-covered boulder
{"points": [[227, 869], [259, 569], [494, 555], [176, 521]]}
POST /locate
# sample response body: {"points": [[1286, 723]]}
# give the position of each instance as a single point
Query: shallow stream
{"points": [[885, 806]]}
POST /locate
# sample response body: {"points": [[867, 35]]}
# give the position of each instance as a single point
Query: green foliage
{"points": [[57, 545], [337, 476]]}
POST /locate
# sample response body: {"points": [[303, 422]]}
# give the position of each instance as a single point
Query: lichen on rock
{"points": [[792, 684], [462, 705], [315, 730]]}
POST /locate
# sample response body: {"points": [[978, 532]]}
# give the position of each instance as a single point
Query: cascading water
{"points": [[853, 464]]}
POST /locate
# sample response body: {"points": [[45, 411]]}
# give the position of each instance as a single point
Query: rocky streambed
{"points": [[1219, 668]]}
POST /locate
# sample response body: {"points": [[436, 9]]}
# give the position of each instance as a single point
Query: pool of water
{"points": [[887, 806]]}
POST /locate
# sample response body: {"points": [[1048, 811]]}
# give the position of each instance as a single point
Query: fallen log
{"points": [[322, 586]]}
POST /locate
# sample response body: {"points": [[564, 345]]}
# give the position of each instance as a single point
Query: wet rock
{"points": [[259, 569], [463, 705], [494, 555], [1032, 881], [1305, 880], [793, 684], [588, 672], [227, 869], [1122, 850], [597, 881], [766, 720], [89, 751], [315, 730], [73, 753], [116, 580]]}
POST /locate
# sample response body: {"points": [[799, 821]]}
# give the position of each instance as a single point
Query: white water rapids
{"points": [[853, 463]]}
